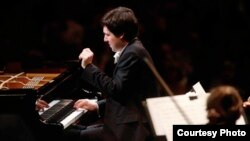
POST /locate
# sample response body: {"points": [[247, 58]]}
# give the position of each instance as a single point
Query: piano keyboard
{"points": [[61, 111]]}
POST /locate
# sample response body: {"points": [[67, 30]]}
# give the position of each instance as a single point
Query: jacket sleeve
{"points": [[113, 87], [101, 104]]}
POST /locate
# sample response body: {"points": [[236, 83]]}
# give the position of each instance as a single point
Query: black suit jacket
{"points": [[132, 82]]}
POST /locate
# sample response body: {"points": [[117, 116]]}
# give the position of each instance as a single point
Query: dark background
{"points": [[189, 40]]}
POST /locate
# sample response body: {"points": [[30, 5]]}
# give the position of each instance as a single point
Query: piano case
{"points": [[19, 92]]}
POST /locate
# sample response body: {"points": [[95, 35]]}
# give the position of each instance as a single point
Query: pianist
{"points": [[132, 82]]}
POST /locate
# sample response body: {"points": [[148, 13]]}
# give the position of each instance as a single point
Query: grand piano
{"points": [[58, 86]]}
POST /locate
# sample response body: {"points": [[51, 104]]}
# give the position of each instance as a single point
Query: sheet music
{"points": [[164, 113], [198, 88]]}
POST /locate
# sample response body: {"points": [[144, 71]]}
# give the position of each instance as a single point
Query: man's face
{"points": [[115, 42]]}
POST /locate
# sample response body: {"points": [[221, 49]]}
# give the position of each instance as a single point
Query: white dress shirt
{"points": [[118, 54]]}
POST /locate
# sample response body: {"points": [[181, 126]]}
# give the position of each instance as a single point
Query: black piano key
{"points": [[59, 111]]}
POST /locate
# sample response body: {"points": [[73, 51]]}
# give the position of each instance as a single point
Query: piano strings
{"points": [[25, 81], [12, 77]]}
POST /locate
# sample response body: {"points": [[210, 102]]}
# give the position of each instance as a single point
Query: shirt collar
{"points": [[118, 54]]}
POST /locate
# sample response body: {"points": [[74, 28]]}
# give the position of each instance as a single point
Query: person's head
{"points": [[120, 26], [224, 105]]}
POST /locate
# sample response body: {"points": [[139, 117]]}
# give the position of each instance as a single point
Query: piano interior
{"points": [[20, 90], [26, 80]]}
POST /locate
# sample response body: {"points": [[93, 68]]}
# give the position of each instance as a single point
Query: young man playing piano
{"points": [[132, 82]]}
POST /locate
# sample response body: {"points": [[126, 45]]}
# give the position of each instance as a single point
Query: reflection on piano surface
{"points": [[19, 92], [61, 111]]}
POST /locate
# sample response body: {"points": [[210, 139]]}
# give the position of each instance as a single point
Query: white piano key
{"points": [[73, 117]]}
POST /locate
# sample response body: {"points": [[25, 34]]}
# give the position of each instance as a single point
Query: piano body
{"points": [[19, 92]]}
